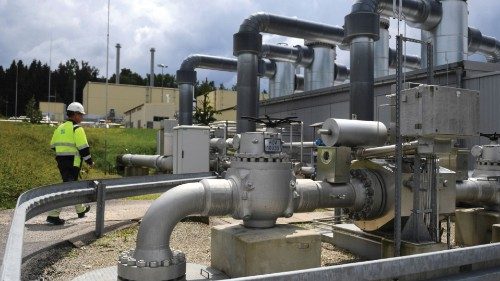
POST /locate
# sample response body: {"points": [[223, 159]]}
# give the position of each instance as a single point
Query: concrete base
{"points": [[238, 251], [409, 248], [495, 234], [474, 226], [371, 246]]}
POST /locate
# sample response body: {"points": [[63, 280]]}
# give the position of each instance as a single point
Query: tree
{"points": [[32, 111], [205, 114]]}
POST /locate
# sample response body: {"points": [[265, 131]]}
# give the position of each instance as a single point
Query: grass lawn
{"points": [[26, 160]]}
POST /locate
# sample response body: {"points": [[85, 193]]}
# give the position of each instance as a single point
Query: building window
{"points": [[159, 118]]}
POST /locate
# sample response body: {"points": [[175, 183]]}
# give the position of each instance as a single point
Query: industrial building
{"points": [[122, 98], [55, 110]]}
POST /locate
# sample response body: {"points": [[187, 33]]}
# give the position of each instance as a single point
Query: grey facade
{"points": [[318, 105]]}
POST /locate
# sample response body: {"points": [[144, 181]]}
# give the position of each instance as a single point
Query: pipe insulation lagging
{"points": [[160, 162], [211, 197], [478, 191], [486, 45]]}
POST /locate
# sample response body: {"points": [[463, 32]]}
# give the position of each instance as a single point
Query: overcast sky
{"points": [[176, 28]]}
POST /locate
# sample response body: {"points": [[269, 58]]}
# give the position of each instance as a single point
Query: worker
{"points": [[71, 147]]}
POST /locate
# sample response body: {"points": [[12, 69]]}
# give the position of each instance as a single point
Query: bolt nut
{"points": [[141, 263], [123, 260], [250, 185], [287, 215], [292, 183], [166, 263], [153, 264], [255, 141]]}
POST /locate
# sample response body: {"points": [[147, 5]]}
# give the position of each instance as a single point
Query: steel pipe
{"points": [[478, 191], [422, 14], [486, 45], [409, 61], [385, 151], [321, 72], [300, 55], [160, 162], [353, 133], [207, 198]]}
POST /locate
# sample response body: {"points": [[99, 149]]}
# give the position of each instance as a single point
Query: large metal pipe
{"points": [[486, 45], [283, 81], [300, 55], [422, 14], [385, 151], [186, 78], [247, 44], [409, 61], [362, 29], [207, 198], [478, 191], [117, 73], [160, 162], [321, 72], [381, 49], [450, 37]]}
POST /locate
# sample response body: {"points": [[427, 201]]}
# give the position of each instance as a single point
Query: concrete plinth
{"points": [[474, 226], [495, 234], [238, 251], [409, 248]]}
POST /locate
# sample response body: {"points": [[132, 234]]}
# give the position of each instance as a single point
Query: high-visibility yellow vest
{"points": [[68, 139]]}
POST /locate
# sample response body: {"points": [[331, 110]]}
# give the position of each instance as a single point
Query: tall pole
{"points": [[17, 74], [162, 78], [151, 75], [118, 46], [74, 89], [50, 74]]}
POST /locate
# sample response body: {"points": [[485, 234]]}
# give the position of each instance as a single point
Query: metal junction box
{"points": [[333, 164], [191, 149], [439, 112]]}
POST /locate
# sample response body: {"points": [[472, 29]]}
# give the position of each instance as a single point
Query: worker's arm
{"points": [[82, 145]]}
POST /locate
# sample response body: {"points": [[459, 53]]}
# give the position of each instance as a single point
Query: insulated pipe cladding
{"points": [[247, 44], [353, 133]]}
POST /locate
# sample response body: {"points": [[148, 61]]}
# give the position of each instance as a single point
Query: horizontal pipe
{"points": [[476, 191], [409, 61], [300, 55], [313, 195], [486, 45], [292, 27], [160, 162], [385, 151], [422, 14], [306, 144]]}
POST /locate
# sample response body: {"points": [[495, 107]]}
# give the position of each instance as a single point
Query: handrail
{"points": [[42, 199]]}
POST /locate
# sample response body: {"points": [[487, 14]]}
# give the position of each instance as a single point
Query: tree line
{"points": [[33, 82]]}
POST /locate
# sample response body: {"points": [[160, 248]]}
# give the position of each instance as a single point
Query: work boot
{"points": [[55, 220], [82, 214]]}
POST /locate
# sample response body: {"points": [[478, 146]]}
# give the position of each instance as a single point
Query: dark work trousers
{"points": [[68, 173]]}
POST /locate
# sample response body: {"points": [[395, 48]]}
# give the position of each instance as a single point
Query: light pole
{"points": [[17, 74], [162, 67]]}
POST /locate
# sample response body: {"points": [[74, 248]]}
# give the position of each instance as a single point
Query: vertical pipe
{"points": [[247, 92], [450, 36], [361, 75], [117, 73], [381, 49], [321, 72], [416, 197], [283, 81], [186, 95], [434, 210]]}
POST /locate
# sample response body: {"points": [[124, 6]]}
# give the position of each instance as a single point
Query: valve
{"points": [[271, 122]]}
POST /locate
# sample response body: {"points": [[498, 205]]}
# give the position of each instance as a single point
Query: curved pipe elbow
{"points": [[208, 197], [191, 62], [255, 23]]}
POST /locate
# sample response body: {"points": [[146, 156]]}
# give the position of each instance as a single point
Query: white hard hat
{"points": [[76, 107]]}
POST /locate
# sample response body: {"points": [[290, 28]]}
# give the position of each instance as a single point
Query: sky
{"points": [[57, 30]]}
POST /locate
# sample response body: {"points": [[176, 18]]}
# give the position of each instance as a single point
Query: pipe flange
{"points": [[130, 268], [371, 207], [361, 24], [384, 23]]}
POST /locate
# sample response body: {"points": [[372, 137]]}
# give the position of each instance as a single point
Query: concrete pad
{"points": [[238, 251], [495, 233], [474, 226], [409, 248]]}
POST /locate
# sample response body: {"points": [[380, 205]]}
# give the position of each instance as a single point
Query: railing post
{"points": [[100, 208]]}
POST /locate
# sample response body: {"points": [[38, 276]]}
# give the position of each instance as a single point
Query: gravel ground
{"points": [[67, 262]]}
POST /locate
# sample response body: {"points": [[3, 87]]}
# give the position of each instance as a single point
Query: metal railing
{"points": [[43, 199]]}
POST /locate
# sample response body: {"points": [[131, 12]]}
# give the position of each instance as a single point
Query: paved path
{"points": [[39, 235]]}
